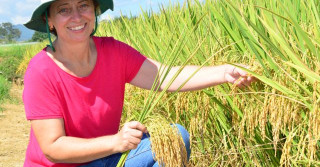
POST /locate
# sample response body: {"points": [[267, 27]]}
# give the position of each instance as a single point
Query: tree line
{"points": [[8, 33]]}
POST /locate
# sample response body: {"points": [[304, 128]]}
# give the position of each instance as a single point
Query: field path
{"points": [[14, 130]]}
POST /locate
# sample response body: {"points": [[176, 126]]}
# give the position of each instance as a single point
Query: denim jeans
{"points": [[139, 157]]}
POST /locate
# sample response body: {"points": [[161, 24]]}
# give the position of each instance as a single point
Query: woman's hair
{"points": [[96, 8]]}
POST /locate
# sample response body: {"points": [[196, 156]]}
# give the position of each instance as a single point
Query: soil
{"points": [[14, 130]]}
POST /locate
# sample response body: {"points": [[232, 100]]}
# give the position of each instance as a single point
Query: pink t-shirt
{"points": [[90, 106]]}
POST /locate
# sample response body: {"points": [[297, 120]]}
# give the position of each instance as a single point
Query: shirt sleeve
{"points": [[39, 95], [133, 60]]}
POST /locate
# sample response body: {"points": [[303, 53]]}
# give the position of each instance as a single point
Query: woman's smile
{"points": [[78, 28]]}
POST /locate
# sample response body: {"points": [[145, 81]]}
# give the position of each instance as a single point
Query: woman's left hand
{"points": [[237, 76]]}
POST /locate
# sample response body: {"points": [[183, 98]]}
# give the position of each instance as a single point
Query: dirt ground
{"points": [[14, 130]]}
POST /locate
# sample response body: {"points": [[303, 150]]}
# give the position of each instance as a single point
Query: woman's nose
{"points": [[76, 15]]}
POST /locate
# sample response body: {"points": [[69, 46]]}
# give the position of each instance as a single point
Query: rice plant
{"points": [[271, 123], [30, 51]]}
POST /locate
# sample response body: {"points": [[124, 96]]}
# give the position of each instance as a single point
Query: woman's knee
{"points": [[186, 138]]}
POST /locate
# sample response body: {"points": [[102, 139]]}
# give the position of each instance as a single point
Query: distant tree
{"points": [[39, 36], [3, 32], [8, 32]]}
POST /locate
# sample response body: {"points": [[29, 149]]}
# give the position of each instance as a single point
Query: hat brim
{"points": [[37, 23]]}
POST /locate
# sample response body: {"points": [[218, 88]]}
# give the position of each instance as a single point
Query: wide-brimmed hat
{"points": [[36, 22]]}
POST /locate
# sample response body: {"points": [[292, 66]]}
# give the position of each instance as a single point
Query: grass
{"points": [[10, 58], [275, 121], [4, 90], [13, 50]]}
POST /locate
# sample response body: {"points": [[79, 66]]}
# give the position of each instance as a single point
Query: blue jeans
{"points": [[141, 156]]}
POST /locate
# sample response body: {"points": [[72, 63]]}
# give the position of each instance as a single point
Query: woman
{"points": [[74, 90]]}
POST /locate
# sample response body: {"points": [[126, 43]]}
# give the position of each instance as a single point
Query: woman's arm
{"points": [[59, 148], [205, 77]]}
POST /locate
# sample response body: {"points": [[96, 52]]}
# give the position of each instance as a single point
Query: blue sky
{"points": [[20, 11]]}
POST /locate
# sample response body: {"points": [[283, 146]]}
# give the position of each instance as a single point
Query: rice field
{"points": [[274, 122]]}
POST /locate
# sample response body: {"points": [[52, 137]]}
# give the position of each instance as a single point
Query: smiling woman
{"points": [[65, 10], [74, 94]]}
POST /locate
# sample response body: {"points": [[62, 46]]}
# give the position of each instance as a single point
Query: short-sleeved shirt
{"points": [[90, 106]]}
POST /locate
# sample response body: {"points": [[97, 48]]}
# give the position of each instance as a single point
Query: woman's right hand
{"points": [[129, 136]]}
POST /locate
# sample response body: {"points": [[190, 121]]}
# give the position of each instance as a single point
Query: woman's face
{"points": [[74, 20]]}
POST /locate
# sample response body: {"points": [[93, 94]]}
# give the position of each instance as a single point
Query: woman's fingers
{"points": [[243, 82], [137, 125], [230, 78], [136, 133], [241, 72], [132, 139], [238, 77], [130, 135], [134, 129]]}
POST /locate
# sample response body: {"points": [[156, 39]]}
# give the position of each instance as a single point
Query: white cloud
{"points": [[149, 2], [109, 17], [4, 7], [122, 2], [4, 1], [26, 6], [34, 1], [17, 11], [20, 20], [5, 10], [106, 16]]}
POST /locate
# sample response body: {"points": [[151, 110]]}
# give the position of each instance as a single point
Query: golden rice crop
{"points": [[167, 144]]}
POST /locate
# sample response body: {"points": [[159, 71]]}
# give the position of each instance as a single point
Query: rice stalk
{"points": [[167, 144]]}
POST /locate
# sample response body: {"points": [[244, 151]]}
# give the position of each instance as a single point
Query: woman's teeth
{"points": [[77, 28]]}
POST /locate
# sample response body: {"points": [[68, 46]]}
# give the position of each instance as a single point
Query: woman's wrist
{"points": [[114, 143], [228, 70]]}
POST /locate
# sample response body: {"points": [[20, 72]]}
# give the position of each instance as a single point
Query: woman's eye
{"points": [[64, 11], [84, 6]]}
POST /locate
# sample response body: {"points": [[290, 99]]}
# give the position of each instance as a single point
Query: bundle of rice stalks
{"points": [[167, 144]]}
